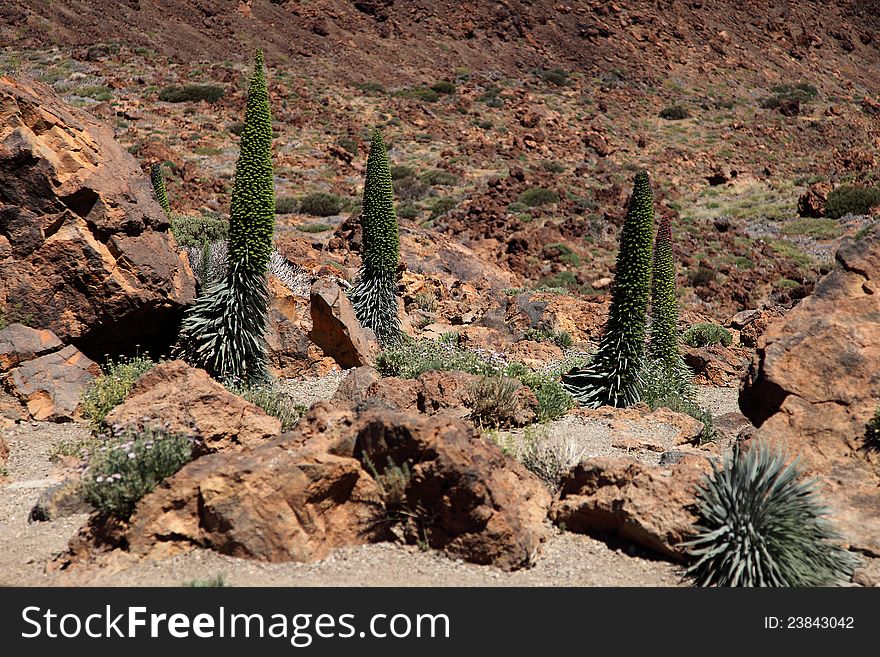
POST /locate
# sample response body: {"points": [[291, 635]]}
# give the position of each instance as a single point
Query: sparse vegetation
{"points": [[538, 196], [493, 401], [286, 205], [760, 525], [274, 401], [191, 93], [130, 465], [110, 389], [216, 582], [320, 204], [704, 335], [549, 456], [802, 92], [314, 228]]}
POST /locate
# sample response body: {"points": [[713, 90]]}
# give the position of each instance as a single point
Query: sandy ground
{"points": [[567, 560]]}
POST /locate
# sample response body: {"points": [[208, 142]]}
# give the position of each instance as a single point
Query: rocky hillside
{"points": [[486, 102]]}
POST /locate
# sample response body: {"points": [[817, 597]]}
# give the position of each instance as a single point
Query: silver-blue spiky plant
{"points": [[762, 525]]}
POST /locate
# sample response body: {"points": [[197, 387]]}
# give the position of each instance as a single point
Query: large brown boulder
{"points": [[335, 328], [326, 484], [815, 383], [652, 507], [464, 496], [84, 248], [44, 380], [187, 400]]}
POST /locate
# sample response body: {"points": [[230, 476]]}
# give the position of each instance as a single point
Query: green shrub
{"points": [[760, 525], [95, 92], [553, 400], [491, 96], [561, 339], [374, 87], [348, 144], [439, 177], [410, 188], [191, 93], [674, 113], [274, 401], [441, 206], [14, 314], [702, 276], [286, 205], [444, 87], [566, 254], [399, 171], [803, 92], [425, 94], [320, 204], [537, 196], [195, 231], [493, 401], [703, 335], [408, 211], [314, 228], [552, 166], [131, 465], [555, 76], [111, 388], [851, 199]]}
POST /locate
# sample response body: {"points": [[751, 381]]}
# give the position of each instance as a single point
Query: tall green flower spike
{"points": [[664, 309], [158, 182], [612, 377], [224, 331], [374, 296]]}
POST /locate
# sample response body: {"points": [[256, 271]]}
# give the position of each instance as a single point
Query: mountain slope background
{"points": [[555, 96]]}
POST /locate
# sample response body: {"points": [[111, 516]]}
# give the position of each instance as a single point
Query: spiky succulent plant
{"points": [[224, 331], [612, 377], [762, 525], [157, 179], [374, 296]]}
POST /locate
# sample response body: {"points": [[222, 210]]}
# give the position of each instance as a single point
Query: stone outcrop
{"points": [[815, 383], [335, 328], [45, 380], [187, 400], [652, 507], [84, 249], [326, 485]]}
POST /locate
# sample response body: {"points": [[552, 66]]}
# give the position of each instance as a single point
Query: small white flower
{"points": [[131, 455], [99, 479]]}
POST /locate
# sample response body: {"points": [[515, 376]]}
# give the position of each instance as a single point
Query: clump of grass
{"points": [[537, 196], [189, 93], [194, 231], [706, 334], [320, 204], [273, 401], [441, 206], [493, 401], [549, 456], [439, 177], [14, 314], [444, 87], [813, 227], [130, 465], [95, 92], [424, 94], [110, 389], [561, 339], [216, 582]]}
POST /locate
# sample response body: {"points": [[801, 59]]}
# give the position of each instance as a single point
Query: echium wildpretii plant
{"points": [[761, 525], [157, 179], [613, 375], [224, 331], [374, 296]]}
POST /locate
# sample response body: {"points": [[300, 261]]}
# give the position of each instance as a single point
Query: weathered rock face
{"points": [[815, 383], [471, 500], [335, 328], [186, 400], [290, 352], [313, 489], [652, 507], [84, 249], [45, 380]]}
